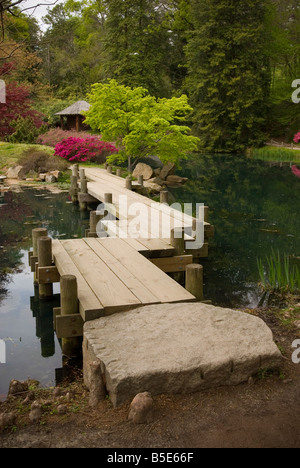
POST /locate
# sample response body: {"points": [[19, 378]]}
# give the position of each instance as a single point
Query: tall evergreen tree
{"points": [[228, 72], [137, 43]]}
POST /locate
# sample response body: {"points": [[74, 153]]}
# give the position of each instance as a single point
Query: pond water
{"points": [[26, 324], [253, 207]]}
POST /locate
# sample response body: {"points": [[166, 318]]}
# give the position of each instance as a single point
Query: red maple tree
{"points": [[18, 104]]}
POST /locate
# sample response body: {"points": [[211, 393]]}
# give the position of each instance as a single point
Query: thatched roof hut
{"points": [[74, 117]]}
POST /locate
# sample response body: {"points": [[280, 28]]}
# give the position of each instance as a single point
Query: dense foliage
{"points": [[236, 61], [18, 105], [229, 73], [141, 124], [84, 149]]}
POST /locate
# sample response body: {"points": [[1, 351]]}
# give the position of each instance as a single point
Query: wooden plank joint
{"points": [[48, 275], [173, 264], [69, 326]]}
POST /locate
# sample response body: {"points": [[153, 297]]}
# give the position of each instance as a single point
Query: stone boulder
{"points": [[36, 412], [17, 172], [56, 174], [16, 387], [7, 420], [141, 409], [177, 348], [143, 170], [175, 180], [50, 179], [168, 169], [153, 187]]}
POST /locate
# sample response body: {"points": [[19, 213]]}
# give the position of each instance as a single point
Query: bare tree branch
{"points": [[14, 8]]}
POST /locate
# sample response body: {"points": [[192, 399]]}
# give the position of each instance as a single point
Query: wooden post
{"points": [[45, 259], [141, 180], [82, 173], [74, 189], [83, 189], [75, 170], [94, 220], [194, 280], [36, 234], [129, 183], [69, 306], [177, 240], [119, 172], [109, 169], [164, 196]]}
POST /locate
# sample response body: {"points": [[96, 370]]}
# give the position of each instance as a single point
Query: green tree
{"points": [[140, 124], [228, 72], [137, 44], [284, 29]]}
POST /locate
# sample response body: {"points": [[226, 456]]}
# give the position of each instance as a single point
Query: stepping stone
{"points": [[177, 348]]}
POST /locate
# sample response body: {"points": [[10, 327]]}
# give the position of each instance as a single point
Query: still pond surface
{"points": [[254, 208]]}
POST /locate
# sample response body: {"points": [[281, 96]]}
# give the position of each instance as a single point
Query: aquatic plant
{"points": [[278, 274]]}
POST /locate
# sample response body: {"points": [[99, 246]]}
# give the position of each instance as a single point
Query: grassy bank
{"points": [[276, 154], [11, 153]]}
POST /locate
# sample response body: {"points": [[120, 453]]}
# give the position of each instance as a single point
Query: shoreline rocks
{"points": [[18, 173], [159, 179]]}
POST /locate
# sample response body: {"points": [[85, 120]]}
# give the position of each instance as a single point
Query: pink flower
{"points": [[84, 149]]}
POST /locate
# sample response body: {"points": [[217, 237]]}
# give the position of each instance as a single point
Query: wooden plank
{"points": [[89, 305], [199, 253], [161, 285], [158, 247], [135, 244], [129, 279], [48, 275], [110, 290], [105, 182], [69, 326], [173, 264]]}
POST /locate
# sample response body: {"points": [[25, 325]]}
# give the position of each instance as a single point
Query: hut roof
{"points": [[75, 109]]}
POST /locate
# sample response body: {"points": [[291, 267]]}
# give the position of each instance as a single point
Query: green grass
{"points": [[10, 153], [276, 154]]}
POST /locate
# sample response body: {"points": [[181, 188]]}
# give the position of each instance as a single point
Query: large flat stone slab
{"points": [[177, 348]]}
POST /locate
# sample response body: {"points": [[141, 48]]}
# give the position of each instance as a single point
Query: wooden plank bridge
{"points": [[119, 273]]}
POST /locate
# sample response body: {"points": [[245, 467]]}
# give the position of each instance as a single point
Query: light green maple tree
{"points": [[140, 124]]}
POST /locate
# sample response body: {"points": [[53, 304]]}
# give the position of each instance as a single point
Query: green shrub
{"points": [[25, 131]]}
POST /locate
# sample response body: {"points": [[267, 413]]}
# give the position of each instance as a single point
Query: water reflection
{"points": [[26, 324], [254, 208], [42, 311]]}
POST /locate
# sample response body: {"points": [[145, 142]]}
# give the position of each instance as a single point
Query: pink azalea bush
{"points": [[85, 149], [297, 138]]}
